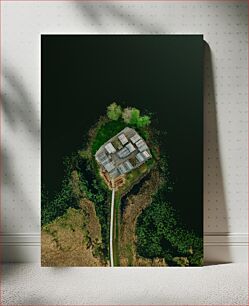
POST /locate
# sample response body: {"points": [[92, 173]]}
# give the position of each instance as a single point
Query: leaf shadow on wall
{"points": [[95, 14], [19, 119], [17, 105], [215, 210]]}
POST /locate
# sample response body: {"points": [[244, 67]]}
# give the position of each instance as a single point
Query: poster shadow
{"points": [[215, 209]]}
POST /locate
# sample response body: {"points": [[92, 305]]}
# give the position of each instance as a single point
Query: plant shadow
{"points": [[21, 122], [94, 14]]}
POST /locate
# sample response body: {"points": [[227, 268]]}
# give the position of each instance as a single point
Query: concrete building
{"points": [[132, 153]]}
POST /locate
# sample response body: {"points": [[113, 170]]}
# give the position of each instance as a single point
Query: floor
{"points": [[29, 284]]}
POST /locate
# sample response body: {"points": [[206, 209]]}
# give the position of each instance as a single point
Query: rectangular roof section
{"points": [[123, 139], [146, 154], [141, 145], [110, 148], [140, 157], [123, 153], [135, 138], [130, 147], [109, 167], [128, 165]]}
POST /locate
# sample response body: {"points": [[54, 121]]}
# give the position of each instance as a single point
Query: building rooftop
{"points": [[110, 148], [132, 153], [135, 138], [123, 139]]}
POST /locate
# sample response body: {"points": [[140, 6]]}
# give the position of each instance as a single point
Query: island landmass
{"points": [[112, 209]]}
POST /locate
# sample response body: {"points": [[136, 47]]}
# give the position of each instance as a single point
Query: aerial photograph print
{"points": [[122, 150]]}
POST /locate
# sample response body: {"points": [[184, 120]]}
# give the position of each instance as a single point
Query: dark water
{"points": [[81, 75]]}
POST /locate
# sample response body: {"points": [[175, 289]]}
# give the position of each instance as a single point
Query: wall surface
{"points": [[224, 25]]}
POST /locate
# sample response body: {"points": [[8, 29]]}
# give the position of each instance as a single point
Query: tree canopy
{"points": [[143, 121], [130, 115], [114, 111]]}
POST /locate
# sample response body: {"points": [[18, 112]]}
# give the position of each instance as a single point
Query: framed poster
{"points": [[122, 150]]}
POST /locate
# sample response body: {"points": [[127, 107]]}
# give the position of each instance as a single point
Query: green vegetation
{"points": [[131, 115], [85, 183], [160, 234], [143, 121], [73, 239], [114, 111], [116, 120], [64, 199], [116, 229], [105, 132]]}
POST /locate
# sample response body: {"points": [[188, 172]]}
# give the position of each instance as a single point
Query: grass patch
{"points": [[132, 178], [136, 175], [116, 229], [129, 254], [73, 239], [105, 132]]}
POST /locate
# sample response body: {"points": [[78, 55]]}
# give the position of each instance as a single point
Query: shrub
{"points": [[114, 111], [132, 116], [161, 234], [143, 121]]}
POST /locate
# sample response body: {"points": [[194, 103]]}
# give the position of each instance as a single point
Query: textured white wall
{"points": [[224, 25]]}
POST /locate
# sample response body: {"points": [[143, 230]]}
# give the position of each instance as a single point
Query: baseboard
{"points": [[218, 247], [225, 247]]}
